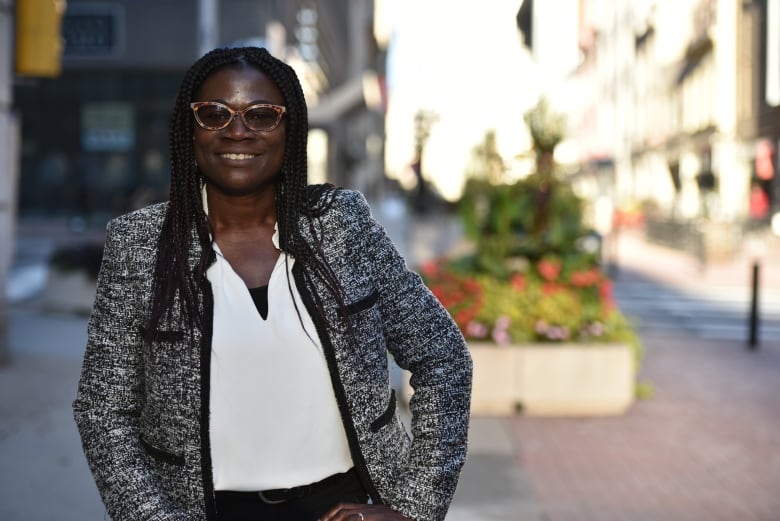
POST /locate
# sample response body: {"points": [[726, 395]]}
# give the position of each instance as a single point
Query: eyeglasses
{"points": [[213, 115]]}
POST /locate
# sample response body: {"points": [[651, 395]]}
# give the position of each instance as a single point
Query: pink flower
{"points": [[541, 327], [558, 333], [596, 329], [501, 337], [503, 322], [476, 329]]}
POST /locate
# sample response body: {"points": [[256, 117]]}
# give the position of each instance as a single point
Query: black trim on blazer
{"points": [[164, 455], [164, 335], [362, 304], [341, 398], [386, 416], [205, 388]]}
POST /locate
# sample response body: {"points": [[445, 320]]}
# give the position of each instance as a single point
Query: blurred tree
{"points": [[423, 121], [535, 217], [486, 162]]}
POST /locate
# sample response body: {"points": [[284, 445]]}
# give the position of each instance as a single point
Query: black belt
{"points": [[283, 495]]}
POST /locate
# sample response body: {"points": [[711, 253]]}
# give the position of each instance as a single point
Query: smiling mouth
{"points": [[237, 157]]}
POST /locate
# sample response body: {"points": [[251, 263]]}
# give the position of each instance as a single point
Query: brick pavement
{"points": [[705, 447]]}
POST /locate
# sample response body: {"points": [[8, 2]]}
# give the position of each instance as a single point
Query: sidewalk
{"points": [[705, 447], [681, 270], [44, 475]]}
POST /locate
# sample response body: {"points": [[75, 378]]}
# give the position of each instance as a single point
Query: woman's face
{"points": [[237, 160]]}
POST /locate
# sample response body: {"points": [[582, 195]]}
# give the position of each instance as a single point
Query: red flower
{"points": [[550, 288], [462, 296], [607, 299], [549, 269], [430, 269], [517, 282], [585, 278]]}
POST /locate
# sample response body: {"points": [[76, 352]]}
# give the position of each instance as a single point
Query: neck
{"points": [[236, 212]]}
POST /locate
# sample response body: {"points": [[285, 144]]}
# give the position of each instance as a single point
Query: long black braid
{"points": [[186, 220]]}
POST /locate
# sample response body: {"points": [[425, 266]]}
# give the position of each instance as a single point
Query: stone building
{"points": [[681, 115]]}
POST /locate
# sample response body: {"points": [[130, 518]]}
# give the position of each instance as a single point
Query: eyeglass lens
{"points": [[256, 118]]}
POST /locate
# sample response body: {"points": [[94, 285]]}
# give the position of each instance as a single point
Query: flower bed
{"points": [[544, 302], [532, 300], [547, 340]]}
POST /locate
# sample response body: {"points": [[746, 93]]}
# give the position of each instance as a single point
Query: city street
{"points": [[595, 156], [705, 447]]}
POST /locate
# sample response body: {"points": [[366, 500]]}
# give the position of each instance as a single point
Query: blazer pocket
{"points": [[162, 455], [165, 335], [362, 304], [386, 416]]}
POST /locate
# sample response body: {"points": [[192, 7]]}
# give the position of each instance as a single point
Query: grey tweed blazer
{"points": [[142, 411]]}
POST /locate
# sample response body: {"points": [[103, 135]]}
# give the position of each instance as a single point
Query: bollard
{"points": [[754, 322]]}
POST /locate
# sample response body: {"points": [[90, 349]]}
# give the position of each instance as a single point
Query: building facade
{"points": [[94, 140], [681, 117]]}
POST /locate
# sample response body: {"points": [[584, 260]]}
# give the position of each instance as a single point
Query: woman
{"points": [[236, 362]]}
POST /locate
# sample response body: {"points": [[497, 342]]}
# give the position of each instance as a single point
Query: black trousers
{"points": [[312, 503]]}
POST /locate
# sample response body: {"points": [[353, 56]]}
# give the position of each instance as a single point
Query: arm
{"points": [[111, 395], [422, 338]]}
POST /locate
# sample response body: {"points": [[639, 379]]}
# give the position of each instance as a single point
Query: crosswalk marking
{"points": [[714, 313]]}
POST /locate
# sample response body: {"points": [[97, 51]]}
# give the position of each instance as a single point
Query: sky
{"points": [[466, 64]]}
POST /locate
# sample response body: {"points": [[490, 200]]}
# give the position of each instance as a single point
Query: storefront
{"points": [[94, 143]]}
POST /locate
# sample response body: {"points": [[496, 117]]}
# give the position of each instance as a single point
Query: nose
{"points": [[237, 125]]}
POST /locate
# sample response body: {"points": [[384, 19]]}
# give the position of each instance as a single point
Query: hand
{"points": [[362, 512]]}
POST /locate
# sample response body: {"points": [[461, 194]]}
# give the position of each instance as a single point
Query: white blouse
{"points": [[274, 419]]}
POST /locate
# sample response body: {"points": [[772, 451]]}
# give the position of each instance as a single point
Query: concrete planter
{"points": [[552, 379], [496, 383]]}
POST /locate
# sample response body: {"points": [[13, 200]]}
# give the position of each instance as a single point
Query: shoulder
{"points": [[142, 225], [328, 202], [148, 214]]}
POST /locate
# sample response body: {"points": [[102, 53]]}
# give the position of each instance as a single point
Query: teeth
{"points": [[238, 156]]}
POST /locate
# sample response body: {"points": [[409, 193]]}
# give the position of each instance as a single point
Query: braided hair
{"points": [[186, 219]]}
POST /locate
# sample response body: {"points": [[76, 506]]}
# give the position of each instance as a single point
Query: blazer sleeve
{"points": [[423, 338], [110, 393]]}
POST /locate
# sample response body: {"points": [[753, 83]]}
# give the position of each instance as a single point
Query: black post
{"points": [[753, 334]]}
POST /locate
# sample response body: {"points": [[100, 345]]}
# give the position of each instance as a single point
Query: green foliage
{"points": [[533, 217], [530, 218]]}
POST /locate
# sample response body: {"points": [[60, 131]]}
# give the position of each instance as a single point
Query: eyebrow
{"points": [[254, 102]]}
